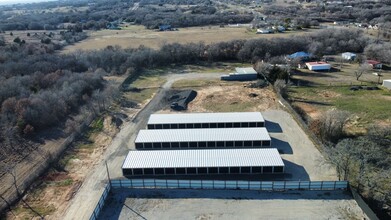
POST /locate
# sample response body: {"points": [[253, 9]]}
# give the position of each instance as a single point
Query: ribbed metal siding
{"points": [[191, 118], [203, 135], [203, 158]]}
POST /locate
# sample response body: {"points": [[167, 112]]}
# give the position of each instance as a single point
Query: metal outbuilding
{"points": [[316, 66], [203, 162], [206, 120], [387, 83], [241, 74], [349, 56], [203, 138]]}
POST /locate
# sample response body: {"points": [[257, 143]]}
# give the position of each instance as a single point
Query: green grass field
{"points": [[370, 106]]}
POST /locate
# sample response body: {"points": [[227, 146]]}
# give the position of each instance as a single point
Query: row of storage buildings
{"points": [[203, 144]]}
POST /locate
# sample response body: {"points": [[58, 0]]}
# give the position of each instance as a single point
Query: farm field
{"points": [[134, 36], [317, 92]]}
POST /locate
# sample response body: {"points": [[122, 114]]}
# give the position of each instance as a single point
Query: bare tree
{"points": [[331, 125], [364, 68], [342, 158]]}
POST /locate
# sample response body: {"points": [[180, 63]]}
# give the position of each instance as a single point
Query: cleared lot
{"points": [[135, 35], [230, 204]]}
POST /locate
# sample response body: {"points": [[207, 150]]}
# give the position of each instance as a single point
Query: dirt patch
{"points": [[233, 98], [230, 204], [310, 110], [328, 94]]}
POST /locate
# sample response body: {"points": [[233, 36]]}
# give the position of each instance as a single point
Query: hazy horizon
{"points": [[10, 2]]}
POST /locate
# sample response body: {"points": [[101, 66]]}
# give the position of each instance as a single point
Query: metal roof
{"points": [[348, 54], [189, 118], [318, 64], [247, 70], [203, 158], [202, 134]]}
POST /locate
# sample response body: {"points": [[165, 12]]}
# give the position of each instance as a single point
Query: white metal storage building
{"points": [[203, 138], [387, 83], [241, 74], [203, 162], [314, 66], [348, 56], [206, 120]]}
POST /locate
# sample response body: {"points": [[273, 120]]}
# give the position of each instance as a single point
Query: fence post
{"points": [[300, 184], [273, 185], [120, 184], [284, 185], [154, 183], [143, 183], [166, 184], [202, 186], [108, 174], [335, 184], [237, 185], [321, 185]]}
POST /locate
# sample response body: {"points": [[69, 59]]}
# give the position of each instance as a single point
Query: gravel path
{"points": [[89, 193]]}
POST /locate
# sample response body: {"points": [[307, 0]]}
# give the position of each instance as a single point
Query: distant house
{"points": [[241, 74], [374, 64], [113, 26], [279, 28], [301, 55], [349, 56], [165, 27], [264, 31], [387, 83], [317, 66]]}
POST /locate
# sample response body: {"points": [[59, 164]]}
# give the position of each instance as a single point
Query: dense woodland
{"points": [[372, 12], [150, 13], [41, 89]]}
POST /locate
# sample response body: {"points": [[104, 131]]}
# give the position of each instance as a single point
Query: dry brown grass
{"points": [[133, 36]]}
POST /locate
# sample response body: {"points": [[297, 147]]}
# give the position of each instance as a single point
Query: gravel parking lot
{"points": [[229, 204], [302, 159]]}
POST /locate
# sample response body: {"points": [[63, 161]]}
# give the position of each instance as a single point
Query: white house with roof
{"points": [[349, 56]]}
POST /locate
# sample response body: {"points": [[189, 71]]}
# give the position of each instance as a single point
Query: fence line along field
{"points": [[135, 35]]}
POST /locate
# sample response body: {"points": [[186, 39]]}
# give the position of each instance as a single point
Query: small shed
{"points": [[349, 56], [264, 31], [375, 64], [316, 66], [387, 83]]}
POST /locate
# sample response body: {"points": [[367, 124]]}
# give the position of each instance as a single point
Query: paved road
{"points": [[88, 195]]}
